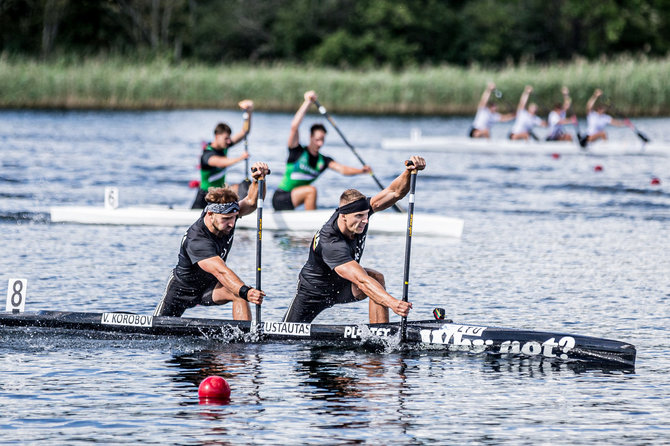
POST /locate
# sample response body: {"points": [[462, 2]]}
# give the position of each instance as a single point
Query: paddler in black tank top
{"points": [[305, 164], [202, 276], [333, 274]]}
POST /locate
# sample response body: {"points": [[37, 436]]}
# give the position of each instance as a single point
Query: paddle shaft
{"points": [[259, 245], [324, 112], [245, 126], [635, 130], [408, 249], [581, 139]]}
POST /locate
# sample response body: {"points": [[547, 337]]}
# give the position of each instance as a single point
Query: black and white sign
{"points": [[16, 295]]}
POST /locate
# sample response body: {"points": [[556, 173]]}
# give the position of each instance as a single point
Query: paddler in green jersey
{"points": [[305, 164], [214, 160]]}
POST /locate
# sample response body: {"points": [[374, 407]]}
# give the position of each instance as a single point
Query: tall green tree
{"points": [[351, 33]]}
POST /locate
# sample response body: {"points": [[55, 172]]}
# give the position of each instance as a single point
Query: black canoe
{"points": [[432, 334]]}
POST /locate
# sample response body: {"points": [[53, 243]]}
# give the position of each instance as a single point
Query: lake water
{"points": [[549, 244]]}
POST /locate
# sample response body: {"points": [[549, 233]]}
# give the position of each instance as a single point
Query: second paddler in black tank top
{"points": [[305, 164]]}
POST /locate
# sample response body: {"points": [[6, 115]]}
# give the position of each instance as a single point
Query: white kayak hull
{"points": [[506, 146], [387, 222]]}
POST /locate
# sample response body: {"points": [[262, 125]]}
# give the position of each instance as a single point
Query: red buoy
{"points": [[194, 184], [214, 388], [555, 155], [598, 168], [655, 181]]}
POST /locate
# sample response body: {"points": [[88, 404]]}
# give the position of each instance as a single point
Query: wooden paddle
{"points": [[324, 112], [408, 248]]}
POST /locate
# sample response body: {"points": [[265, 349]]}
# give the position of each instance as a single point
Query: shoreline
{"points": [[635, 86]]}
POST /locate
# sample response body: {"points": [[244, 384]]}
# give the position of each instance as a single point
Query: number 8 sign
{"points": [[16, 295]]}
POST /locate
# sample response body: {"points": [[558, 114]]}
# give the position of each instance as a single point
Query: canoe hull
{"points": [[531, 147], [302, 221]]}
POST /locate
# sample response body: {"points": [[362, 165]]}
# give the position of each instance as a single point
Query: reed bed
{"points": [[636, 86]]}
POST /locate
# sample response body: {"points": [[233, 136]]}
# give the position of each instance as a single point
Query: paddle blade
{"points": [[583, 139], [243, 188], [642, 136]]}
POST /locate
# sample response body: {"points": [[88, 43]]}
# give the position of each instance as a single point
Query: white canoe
{"points": [[506, 146], [388, 222]]}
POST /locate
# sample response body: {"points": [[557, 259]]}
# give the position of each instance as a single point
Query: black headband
{"points": [[359, 205]]}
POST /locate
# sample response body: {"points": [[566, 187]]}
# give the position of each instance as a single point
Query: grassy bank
{"points": [[636, 86]]}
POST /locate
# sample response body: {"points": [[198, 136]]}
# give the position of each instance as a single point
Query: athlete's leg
{"points": [[596, 136], [304, 308], [481, 133], [306, 195], [176, 299]]}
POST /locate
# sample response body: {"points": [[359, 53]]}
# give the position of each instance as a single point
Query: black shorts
{"points": [[305, 306], [471, 133], [199, 202], [281, 201], [556, 136], [177, 298]]}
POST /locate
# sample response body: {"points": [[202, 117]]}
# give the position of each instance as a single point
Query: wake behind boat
{"points": [[428, 334], [520, 147], [307, 221]]}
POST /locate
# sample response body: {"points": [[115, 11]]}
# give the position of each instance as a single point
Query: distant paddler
{"points": [[526, 118], [332, 274], [215, 160], [305, 164], [487, 115], [202, 276], [597, 120], [558, 119]]}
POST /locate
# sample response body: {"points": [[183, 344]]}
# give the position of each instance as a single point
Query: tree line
{"points": [[339, 33]]}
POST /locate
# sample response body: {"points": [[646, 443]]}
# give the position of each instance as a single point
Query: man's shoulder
{"points": [[295, 152], [298, 148], [209, 150], [198, 228], [329, 232]]}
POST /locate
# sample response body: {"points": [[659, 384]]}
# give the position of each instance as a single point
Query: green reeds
{"points": [[635, 85]]}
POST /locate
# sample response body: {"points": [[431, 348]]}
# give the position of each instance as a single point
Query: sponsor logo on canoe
{"points": [[287, 328], [134, 320], [357, 331], [461, 337], [451, 334], [549, 348]]}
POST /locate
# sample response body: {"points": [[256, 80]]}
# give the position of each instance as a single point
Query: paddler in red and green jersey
{"points": [[305, 164], [214, 159]]}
